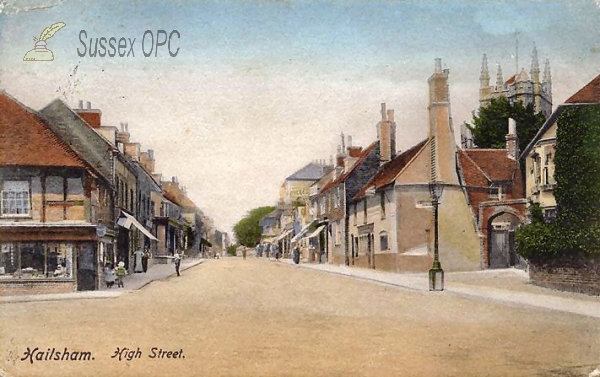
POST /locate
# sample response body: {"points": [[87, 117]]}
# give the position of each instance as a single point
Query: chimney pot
{"points": [[438, 65], [81, 104], [349, 141], [390, 115], [383, 113], [89, 105]]}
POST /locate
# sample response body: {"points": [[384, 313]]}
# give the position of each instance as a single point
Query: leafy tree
{"points": [[490, 126], [247, 230], [231, 250]]}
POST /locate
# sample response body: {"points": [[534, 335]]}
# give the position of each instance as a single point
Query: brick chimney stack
{"points": [[386, 133], [93, 117]]}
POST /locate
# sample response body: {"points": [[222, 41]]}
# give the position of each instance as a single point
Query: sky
{"points": [[258, 89]]}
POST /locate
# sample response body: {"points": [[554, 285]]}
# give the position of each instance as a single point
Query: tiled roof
{"points": [[91, 146], [478, 179], [588, 94], [345, 175], [494, 163], [26, 139], [511, 80], [388, 172], [310, 172]]}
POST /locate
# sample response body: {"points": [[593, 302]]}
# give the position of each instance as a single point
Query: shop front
{"points": [[35, 260]]}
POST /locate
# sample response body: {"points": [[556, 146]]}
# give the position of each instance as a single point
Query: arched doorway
{"points": [[501, 241]]}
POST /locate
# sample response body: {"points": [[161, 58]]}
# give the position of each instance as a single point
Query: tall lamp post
{"points": [[436, 274]]}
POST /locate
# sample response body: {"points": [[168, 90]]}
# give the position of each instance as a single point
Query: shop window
{"points": [[15, 198], [37, 261]]}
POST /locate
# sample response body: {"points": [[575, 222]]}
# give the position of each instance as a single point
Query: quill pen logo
{"points": [[40, 51]]}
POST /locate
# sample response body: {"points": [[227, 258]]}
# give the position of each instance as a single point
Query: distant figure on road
{"points": [[244, 251], [145, 258], [137, 262], [109, 275], [121, 272], [296, 254], [177, 261]]}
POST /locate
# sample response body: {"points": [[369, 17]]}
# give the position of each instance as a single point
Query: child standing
{"points": [[121, 272], [109, 275]]}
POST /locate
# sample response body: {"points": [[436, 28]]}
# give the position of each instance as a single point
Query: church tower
{"points": [[527, 89]]}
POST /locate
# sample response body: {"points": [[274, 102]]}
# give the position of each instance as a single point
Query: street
{"points": [[235, 317]]}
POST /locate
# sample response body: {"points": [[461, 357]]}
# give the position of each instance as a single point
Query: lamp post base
{"points": [[436, 279]]}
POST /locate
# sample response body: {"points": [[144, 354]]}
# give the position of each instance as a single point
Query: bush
{"points": [[231, 250]]}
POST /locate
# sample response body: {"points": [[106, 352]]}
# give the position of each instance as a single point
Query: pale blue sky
{"points": [[259, 88]]}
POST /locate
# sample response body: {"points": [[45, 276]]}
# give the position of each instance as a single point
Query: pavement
{"points": [[131, 282], [548, 299]]}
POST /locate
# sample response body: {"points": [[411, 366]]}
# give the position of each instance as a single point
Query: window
{"points": [[382, 204], [365, 211], [323, 199], [36, 260], [355, 212], [15, 198], [383, 241]]}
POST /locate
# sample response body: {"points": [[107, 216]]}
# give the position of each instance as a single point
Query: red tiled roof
{"points": [[345, 175], [511, 80], [388, 172], [588, 94], [26, 140], [494, 163], [478, 179]]}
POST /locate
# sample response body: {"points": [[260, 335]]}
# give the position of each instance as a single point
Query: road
{"points": [[234, 317]]}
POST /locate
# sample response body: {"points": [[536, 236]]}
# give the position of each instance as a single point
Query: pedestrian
{"points": [[121, 272], [109, 275], [145, 258], [296, 254], [137, 262], [244, 252], [177, 261]]}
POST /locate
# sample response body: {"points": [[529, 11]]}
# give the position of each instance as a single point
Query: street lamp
{"points": [[436, 274]]}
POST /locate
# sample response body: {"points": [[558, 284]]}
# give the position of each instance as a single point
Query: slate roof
{"points": [[345, 175], [91, 146], [26, 139], [310, 172], [388, 172]]}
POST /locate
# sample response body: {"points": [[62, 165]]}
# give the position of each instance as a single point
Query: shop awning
{"points": [[316, 232], [301, 233], [282, 235], [268, 240], [126, 221], [206, 242]]}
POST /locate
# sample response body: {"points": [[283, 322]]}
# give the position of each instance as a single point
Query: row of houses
{"points": [[372, 207], [78, 194]]}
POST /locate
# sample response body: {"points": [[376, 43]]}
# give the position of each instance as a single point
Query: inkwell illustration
{"points": [[40, 52]]}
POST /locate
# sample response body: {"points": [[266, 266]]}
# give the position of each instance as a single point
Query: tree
{"points": [[247, 230], [490, 126]]}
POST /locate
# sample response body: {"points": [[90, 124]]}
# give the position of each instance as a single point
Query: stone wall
{"points": [[581, 275]]}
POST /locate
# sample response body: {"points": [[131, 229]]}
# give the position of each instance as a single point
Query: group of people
{"points": [[268, 249], [112, 275]]}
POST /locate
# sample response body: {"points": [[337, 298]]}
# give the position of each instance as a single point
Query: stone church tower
{"points": [[519, 87]]}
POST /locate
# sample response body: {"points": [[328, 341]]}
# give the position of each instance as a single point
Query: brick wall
{"points": [[34, 287], [581, 275]]}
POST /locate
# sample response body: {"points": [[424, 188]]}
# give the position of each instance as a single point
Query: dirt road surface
{"points": [[234, 317]]}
